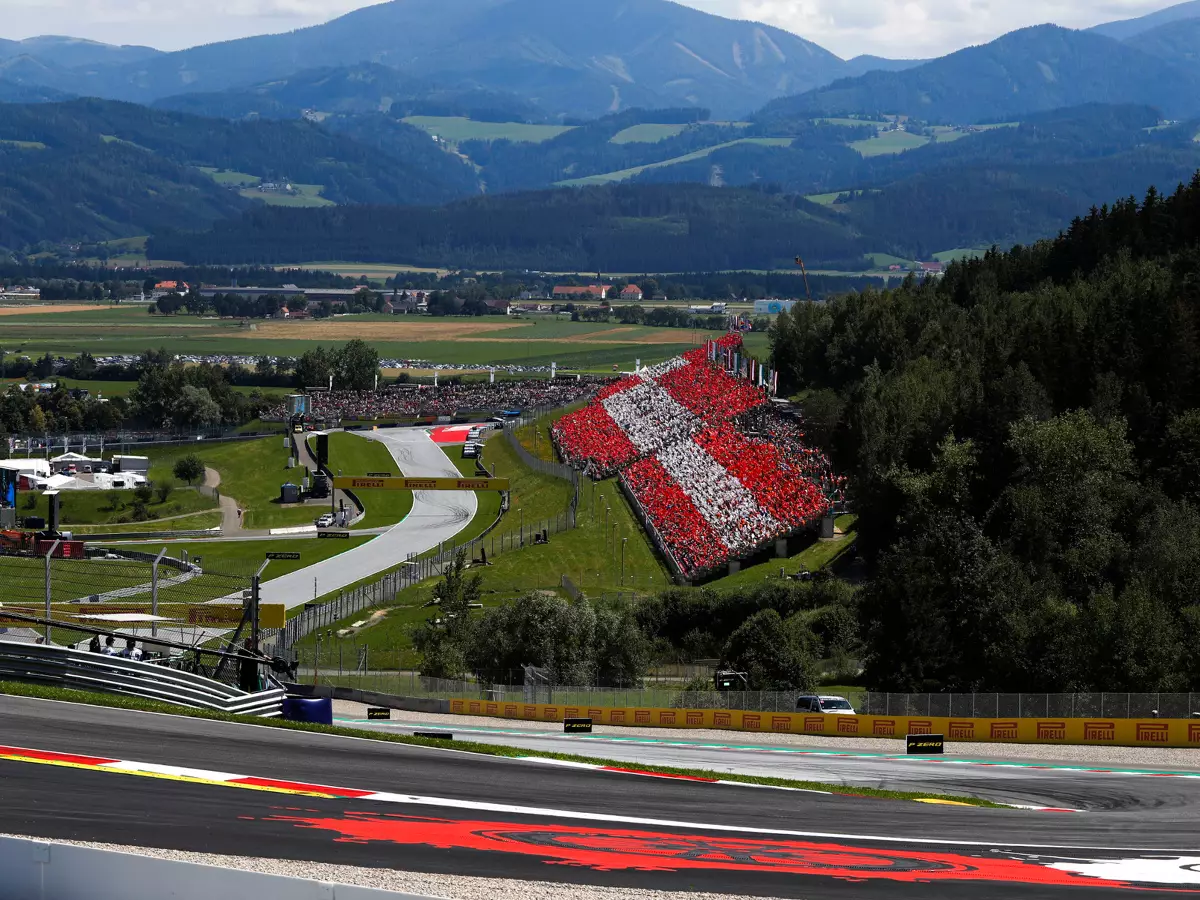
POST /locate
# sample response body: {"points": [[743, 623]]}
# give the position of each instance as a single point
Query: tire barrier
{"points": [[1109, 732]]}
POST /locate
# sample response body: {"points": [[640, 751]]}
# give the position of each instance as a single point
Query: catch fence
{"points": [[1095, 704]]}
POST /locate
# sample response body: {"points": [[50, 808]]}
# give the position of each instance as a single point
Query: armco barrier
{"points": [[1098, 732]]}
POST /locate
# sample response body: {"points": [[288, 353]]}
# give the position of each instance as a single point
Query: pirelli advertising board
{"points": [[1096, 732], [421, 484], [225, 615]]}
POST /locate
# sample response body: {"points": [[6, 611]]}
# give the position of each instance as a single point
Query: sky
{"points": [[894, 28]]}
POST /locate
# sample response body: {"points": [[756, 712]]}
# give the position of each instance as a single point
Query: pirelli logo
{"points": [[962, 731], [884, 728], [551, 714], [571, 713], [722, 720], [695, 718], [1003, 731], [754, 722], [920, 726], [814, 724], [456, 706], [475, 708], [529, 712], [1099, 731], [1051, 731], [511, 710], [616, 716], [596, 715], [666, 718], [1153, 732], [847, 724], [492, 709], [781, 723], [641, 716], [1194, 734]]}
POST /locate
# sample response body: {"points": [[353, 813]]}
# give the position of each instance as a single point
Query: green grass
{"points": [[246, 556], [883, 260], [457, 129], [813, 558], [351, 454], [92, 507], [307, 196], [889, 142], [535, 437], [204, 521], [41, 692], [948, 256], [646, 133], [625, 174], [230, 179], [24, 145], [850, 123]]}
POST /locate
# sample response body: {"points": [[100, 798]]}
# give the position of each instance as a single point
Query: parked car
{"points": [[326, 521], [837, 706]]}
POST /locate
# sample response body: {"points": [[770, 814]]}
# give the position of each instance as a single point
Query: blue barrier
{"points": [[304, 709]]}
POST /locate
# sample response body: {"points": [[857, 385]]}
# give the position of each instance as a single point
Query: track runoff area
{"points": [[150, 780]]}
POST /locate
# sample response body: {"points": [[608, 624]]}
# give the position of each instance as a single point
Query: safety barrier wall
{"points": [[1099, 732]]}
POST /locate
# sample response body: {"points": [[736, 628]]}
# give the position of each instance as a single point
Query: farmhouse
{"points": [[594, 291], [632, 292]]}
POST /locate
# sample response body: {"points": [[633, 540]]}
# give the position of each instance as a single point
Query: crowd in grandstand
{"points": [[717, 469], [401, 401]]}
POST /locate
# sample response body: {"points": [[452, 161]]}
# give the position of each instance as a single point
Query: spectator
{"points": [[110, 646], [94, 645], [131, 650]]}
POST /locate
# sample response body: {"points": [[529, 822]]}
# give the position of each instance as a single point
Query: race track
{"points": [[152, 780], [436, 516]]}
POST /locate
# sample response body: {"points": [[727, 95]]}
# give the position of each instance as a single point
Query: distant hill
{"points": [[861, 65], [69, 52], [94, 169], [354, 90], [570, 58], [13, 92], [1027, 71], [1127, 28], [626, 228], [1177, 43]]}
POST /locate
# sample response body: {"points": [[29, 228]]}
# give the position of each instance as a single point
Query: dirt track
{"points": [[43, 309]]}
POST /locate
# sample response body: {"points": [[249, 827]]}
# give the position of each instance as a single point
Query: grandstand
{"points": [[719, 473]]}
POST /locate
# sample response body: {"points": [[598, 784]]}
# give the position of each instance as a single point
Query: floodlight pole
{"points": [[154, 592], [49, 556]]}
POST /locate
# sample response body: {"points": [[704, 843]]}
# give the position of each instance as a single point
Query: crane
{"points": [[804, 272]]}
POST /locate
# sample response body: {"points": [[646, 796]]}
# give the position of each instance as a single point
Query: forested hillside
{"points": [[622, 228], [1023, 436], [92, 169]]}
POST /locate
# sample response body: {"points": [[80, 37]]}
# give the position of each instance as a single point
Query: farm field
{"points": [[646, 133], [97, 508], [457, 129], [889, 142], [105, 331], [307, 196]]}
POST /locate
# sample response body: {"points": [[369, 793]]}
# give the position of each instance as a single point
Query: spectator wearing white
{"points": [[110, 646], [131, 651]]}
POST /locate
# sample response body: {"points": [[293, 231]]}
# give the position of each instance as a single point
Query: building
{"points": [[20, 294], [588, 291], [632, 293], [773, 307], [932, 268], [126, 464], [38, 467], [171, 287]]}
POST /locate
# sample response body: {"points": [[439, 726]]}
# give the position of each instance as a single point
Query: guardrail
{"points": [[63, 667]]}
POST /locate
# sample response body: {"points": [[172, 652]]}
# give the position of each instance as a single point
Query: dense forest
{"points": [[1024, 440], [613, 228]]}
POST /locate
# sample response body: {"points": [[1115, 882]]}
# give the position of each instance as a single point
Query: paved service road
{"points": [[226, 788], [436, 516]]}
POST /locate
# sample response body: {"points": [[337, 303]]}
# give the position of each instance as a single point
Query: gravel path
{"points": [[452, 887], [1139, 757]]}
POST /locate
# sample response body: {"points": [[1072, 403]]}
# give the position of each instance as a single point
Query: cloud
{"points": [[897, 28], [920, 28]]}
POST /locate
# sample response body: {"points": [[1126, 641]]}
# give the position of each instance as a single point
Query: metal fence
{"points": [[62, 667], [1108, 705]]}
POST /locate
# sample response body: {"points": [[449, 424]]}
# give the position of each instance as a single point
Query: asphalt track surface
{"points": [[436, 516], [456, 813]]}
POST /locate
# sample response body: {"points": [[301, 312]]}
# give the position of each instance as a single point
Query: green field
{"points": [[646, 133], [95, 507], [203, 521], [814, 558], [245, 557], [24, 145], [306, 196], [850, 123], [889, 142], [457, 129], [947, 256], [625, 174], [230, 179], [350, 454]]}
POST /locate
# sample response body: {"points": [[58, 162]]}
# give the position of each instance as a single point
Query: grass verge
{"points": [[41, 692]]}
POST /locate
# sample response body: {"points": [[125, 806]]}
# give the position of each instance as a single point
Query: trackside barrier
{"points": [[1095, 732], [43, 870], [61, 667]]}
